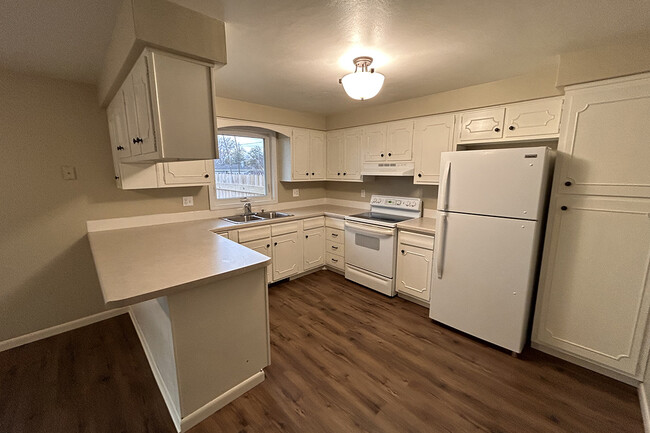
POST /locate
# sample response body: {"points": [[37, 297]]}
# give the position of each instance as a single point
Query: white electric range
{"points": [[371, 241]]}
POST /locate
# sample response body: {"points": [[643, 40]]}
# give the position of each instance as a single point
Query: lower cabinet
{"points": [[594, 292], [414, 265], [313, 248], [335, 243], [286, 256], [263, 246]]}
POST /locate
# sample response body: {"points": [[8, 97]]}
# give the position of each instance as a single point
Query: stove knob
{"points": [[398, 202]]}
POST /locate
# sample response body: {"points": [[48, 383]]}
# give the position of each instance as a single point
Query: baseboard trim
{"points": [[173, 411], [59, 329], [645, 407], [205, 411]]}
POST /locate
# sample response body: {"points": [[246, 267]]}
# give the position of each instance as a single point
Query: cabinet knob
{"points": [[306, 236], [135, 140], [334, 260], [139, 140], [344, 173], [120, 147], [312, 174], [497, 129], [419, 174], [268, 245], [206, 175], [568, 183], [117, 177], [307, 174], [403, 252], [389, 154], [564, 207], [511, 127], [275, 244]]}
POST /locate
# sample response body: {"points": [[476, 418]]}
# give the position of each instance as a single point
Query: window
{"points": [[244, 171]]}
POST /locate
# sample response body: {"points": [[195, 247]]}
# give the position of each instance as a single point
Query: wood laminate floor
{"points": [[344, 359]]}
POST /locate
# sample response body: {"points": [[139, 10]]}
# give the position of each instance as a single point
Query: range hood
{"points": [[388, 168]]}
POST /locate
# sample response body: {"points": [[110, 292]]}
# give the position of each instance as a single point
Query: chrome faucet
{"points": [[247, 208]]}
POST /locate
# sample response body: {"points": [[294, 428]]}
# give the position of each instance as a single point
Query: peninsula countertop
{"points": [[141, 263]]}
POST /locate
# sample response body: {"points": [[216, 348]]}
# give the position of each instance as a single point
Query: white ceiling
{"points": [[290, 53]]}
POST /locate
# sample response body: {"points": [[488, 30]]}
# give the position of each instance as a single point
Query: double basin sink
{"points": [[257, 216]]}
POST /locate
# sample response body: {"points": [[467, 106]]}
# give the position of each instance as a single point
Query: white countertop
{"points": [[422, 225], [136, 264]]}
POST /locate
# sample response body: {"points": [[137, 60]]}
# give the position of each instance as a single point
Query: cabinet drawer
{"points": [[254, 233], [335, 248], [335, 223], [416, 239], [311, 223], [334, 261], [335, 235], [283, 228]]}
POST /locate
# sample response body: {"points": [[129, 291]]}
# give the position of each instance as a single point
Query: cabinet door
{"points": [[334, 169], [317, 155], [482, 125], [374, 143], [300, 154], [432, 136], [130, 110], [286, 256], [414, 267], [534, 118], [118, 128], [352, 154], [314, 248], [604, 142], [399, 143], [187, 172], [594, 289], [142, 102], [263, 246]]}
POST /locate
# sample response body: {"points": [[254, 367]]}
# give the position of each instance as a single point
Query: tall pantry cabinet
{"points": [[594, 291]]}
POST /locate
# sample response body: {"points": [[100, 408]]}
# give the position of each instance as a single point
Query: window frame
{"points": [[270, 156]]}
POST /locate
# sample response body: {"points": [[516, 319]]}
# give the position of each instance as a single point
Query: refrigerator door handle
{"points": [[444, 187], [440, 243]]}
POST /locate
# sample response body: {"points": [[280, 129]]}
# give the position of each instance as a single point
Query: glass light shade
{"points": [[362, 85]]}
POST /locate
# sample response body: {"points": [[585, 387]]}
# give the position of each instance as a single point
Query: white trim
{"points": [[205, 411], [169, 401], [59, 329], [607, 81], [586, 364], [645, 406]]}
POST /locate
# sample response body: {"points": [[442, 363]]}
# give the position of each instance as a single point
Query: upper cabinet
{"points": [[535, 120], [303, 155], [344, 154], [604, 146], [167, 105], [391, 141], [431, 136]]}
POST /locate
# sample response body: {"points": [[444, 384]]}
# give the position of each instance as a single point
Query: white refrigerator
{"points": [[491, 208]]}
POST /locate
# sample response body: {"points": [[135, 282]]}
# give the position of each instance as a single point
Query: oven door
{"points": [[370, 247]]}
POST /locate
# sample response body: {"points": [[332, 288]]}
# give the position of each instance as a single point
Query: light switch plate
{"points": [[296, 192], [188, 201], [68, 172], [363, 193]]}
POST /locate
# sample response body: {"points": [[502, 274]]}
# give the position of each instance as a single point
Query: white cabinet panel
{"points": [[482, 124], [286, 256], [374, 143], [144, 132], [399, 143], [604, 145], [314, 248], [594, 290], [414, 267], [352, 154], [533, 118], [303, 156], [335, 155], [263, 246], [317, 155], [300, 154], [432, 135], [187, 172]]}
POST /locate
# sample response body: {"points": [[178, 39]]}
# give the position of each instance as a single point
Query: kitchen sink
{"points": [[240, 219], [257, 216], [272, 214]]}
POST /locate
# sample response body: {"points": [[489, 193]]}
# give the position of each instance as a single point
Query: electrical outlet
{"points": [[363, 193], [296, 192], [188, 201], [68, 172]]}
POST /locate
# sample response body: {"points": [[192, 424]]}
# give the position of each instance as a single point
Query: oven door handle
{"points": [[365, 228]]}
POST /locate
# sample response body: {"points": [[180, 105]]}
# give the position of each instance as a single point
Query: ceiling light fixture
{"points": [[362, 84]]}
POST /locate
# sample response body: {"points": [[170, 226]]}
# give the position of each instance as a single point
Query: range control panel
{"points": [[406, 203]]}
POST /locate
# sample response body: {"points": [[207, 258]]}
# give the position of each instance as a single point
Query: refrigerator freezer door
{"points": [[510, 183], [485, 272]]}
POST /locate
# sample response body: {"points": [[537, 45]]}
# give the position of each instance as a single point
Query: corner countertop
{"points": [[141, 263], [422, 225]]}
